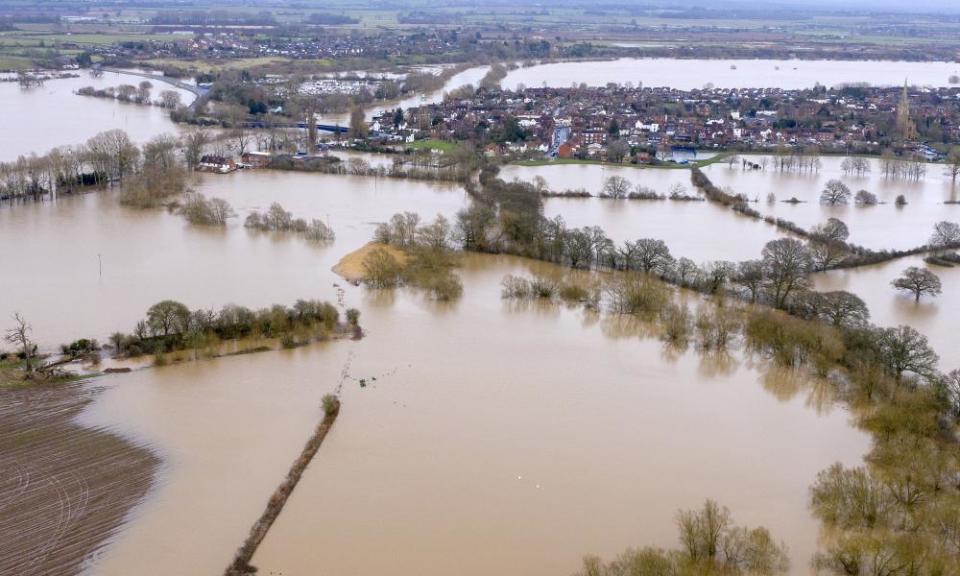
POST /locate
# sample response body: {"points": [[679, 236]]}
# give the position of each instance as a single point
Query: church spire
{"points": [[905, 126]]}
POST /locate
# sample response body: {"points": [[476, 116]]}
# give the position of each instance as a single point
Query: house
{"points": [[255, 159], [217, 164], [566, 150]]}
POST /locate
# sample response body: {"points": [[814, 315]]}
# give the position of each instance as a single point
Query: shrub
{"points": [[331, 405], [676, 323], [353, 316], [381, 269], [199, 210]]}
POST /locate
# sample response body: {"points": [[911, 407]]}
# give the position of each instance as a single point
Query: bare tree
{"points": [[786, 263], [194, 143], [842, 308], [855, 165], [953, 164], [835, 193], [833, 230], [950, 386], [918, 281], [170, 99], [143, 92], [903, 349], [828, 243], [749, 276], [615, 187], [168, 317], [617, 150], [358, 123], [19, 336], [865, 198], [652, 256], [241, 138], [945, 234]]}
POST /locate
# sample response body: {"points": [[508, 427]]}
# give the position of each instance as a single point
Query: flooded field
{"points": [[935, 318], [468, 76], [692, 74], [486, 423], [681, 224], [870, 226], [46, 116], [120, 260]]}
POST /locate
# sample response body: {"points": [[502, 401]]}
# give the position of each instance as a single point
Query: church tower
{"points": [[905, 127]]}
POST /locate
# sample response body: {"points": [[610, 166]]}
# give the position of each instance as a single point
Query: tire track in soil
{"points": [[64, 489]]}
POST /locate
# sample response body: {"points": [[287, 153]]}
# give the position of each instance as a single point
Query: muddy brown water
{"points": [[46, 116], [884, 226], [933, 317], [701, 231], [520, 436]]}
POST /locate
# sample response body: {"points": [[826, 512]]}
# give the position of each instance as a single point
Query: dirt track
{"points": [[64, 489]]}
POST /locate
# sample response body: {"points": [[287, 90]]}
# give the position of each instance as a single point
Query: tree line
{"points": [[148, 174], [898, 514], [171, 326]]}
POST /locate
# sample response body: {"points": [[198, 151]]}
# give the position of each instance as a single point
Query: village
{"points": [[624, 123]]}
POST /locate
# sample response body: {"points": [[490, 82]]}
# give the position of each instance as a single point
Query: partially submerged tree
{"points": [[865, 198], [168, 317], [616, 187], [843, 309], [786, 263], [652, 256], [953, 164], [945, 234], [710, 544], [828, 244], [835, 193], [904, 349], [918, 281]]}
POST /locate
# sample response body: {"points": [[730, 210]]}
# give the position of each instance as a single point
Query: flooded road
{"points": [[46, 116], [692, 74], [520, 436], [870, 226]]}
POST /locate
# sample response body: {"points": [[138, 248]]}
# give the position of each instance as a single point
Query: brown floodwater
{"points": [[528, 435], [516, 435], [692, 74], [46, 116], [701, 231], [870, 226], [104, 264], [933, 317]]}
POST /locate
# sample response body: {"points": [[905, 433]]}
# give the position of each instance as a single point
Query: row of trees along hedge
{"points": [[171, 326]]}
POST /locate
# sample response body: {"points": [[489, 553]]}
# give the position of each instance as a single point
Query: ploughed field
{"points": [[64, 486]]}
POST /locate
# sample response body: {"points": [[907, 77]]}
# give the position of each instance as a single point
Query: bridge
{"points": [[301, 125]]}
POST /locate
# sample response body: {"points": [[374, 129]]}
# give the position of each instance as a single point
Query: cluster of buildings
{"points": [[589, 122], [228, 43]]}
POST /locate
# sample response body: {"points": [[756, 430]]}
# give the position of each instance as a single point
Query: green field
{"points": [[433, 144]]}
